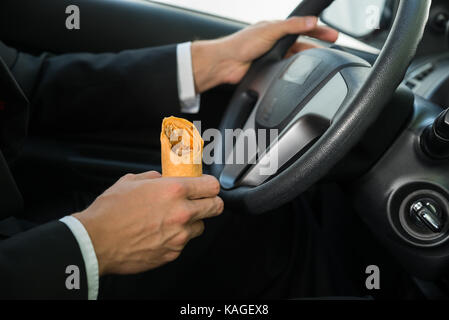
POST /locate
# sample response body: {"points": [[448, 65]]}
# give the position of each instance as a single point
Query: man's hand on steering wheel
{"points": [[228, 59]]}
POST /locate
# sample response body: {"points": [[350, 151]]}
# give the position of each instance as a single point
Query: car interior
{"points": [[364, 135]]}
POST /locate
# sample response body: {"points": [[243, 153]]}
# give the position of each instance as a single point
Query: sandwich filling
{"points": [[180, 140]]}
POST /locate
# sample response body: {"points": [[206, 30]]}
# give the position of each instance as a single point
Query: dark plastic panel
{"points": [[380, 193], [106, 25]]}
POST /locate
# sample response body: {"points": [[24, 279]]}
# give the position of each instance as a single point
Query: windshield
{"points": [[252, 11], [248, 11]]}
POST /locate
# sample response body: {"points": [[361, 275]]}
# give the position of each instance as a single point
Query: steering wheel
{"points": [[319, 104]]}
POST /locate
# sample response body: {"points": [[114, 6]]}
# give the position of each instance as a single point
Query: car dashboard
{"points": [[429, 78]]}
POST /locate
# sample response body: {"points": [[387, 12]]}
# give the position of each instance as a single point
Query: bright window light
{"points": [[249, 11], [252, 11]]}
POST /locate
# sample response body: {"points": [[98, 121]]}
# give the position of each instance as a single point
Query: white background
{"points": [[251, 11]]}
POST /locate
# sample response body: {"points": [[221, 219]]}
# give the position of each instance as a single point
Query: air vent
{"points": [[419, 75]]}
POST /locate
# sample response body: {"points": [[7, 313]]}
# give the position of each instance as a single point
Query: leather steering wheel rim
{"points": [[350, 125]]}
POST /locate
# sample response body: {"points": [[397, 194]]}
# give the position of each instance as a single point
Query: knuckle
{"points": [[181, 239], [220, 205], [182, 216], [271, 23], [215, 185], [126, 178], [172, 255], [262, 23], [177, 189]]}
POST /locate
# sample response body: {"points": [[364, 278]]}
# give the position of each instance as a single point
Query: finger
{"points": [[203, 187], [206, 208], [147, 175], [323, 33], [297, 25], [299, 47], [196, 229]]}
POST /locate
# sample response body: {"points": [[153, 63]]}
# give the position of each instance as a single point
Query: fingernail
{"points": [[311, 22]]}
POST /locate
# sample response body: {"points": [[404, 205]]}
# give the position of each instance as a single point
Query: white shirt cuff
{"points": [[88, 253], [190, 101]]}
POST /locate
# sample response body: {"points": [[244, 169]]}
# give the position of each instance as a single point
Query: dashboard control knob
{"points": [[442, 125], [435, 140], [428, 213]]}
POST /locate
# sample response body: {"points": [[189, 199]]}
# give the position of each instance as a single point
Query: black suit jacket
{"points": [[68, 93]]}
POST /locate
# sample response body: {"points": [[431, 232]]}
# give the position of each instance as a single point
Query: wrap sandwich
{"points": [[181, 149]]}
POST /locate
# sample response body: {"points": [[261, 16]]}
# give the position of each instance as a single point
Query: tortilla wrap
{"points": [[181, 149]]}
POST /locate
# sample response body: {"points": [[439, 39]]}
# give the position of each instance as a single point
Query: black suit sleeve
{"points": [[87, 93], [80, 93], [33, 264]]}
